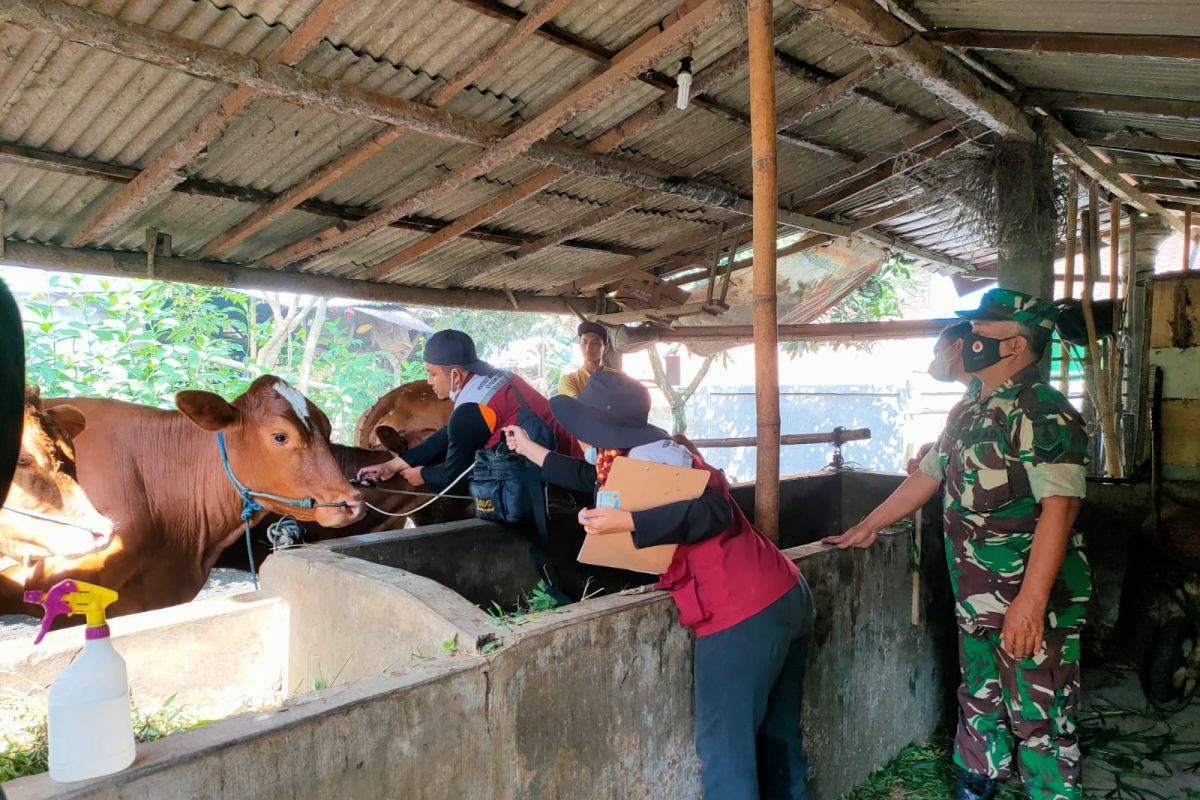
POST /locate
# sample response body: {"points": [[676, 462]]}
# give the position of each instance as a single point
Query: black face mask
{"points": [[980, 352]]}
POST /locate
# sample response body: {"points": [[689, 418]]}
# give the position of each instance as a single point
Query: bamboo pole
{"points": [[1064, 365], [1096, 378], [766, 321]]}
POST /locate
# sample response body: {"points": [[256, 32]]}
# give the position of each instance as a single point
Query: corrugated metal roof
{"points": [[71, 100], [1161, 17]]}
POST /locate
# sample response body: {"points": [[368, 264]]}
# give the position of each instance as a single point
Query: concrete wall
{"points": [[219, 657], [351, 618], [592, 701]]}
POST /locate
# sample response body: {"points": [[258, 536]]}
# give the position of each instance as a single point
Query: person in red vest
{"points": [[750, 608], [485, 400]]}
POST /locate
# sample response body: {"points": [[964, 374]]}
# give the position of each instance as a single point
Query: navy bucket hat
{"points": [[451, 348], [610, 413]]}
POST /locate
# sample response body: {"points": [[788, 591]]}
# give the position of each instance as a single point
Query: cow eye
{"points": [[280, 438], [24, 461]]}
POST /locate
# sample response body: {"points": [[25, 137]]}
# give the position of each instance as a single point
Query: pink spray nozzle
{"points": [[54, 602]]}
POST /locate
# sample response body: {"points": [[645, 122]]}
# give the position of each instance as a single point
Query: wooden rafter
{"points": [[1114, 103], [637, 123], [1177, 192], [814, 332], [927, 65], [164, 172], [540, 15], [829, 95], [1185, 148], [1111, 44], [831, 92], [645, 51], [357, 155], [94, 261], [93, 29], [70, 165], [526, 251], [1173, 171]]}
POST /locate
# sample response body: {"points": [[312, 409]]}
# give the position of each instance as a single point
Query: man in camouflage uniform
{"points": [[1012, 456]]}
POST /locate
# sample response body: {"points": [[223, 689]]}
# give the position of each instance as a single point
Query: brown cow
{"points": [[159, 475], [351, 460], [46, 512], [409, 407]]}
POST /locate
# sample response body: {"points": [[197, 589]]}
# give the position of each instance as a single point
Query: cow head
{"points": [[66, 524], [278, 443], [399, 442]]}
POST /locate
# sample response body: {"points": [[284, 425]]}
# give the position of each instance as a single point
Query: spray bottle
{"points": [[90, 726]]}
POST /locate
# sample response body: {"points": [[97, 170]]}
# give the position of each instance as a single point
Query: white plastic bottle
{"points": [[90, 726]]}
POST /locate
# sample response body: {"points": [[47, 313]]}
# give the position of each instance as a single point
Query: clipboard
{"points": [[641, 485]]}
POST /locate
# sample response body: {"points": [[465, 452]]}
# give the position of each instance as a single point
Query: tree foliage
{"points": [[879, 297]]}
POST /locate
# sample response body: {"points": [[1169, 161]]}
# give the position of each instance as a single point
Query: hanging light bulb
{"points": [[683, 81]]}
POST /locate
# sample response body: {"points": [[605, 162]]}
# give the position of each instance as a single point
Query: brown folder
{"points": [[641, 485]]}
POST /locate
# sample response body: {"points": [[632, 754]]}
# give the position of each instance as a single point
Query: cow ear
{"points": [[33, 395], [208, 410], [69, 418], [392, 439]]}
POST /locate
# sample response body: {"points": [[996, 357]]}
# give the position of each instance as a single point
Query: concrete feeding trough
{"points": [[433, 699]]}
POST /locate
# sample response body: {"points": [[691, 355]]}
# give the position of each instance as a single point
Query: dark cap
{"points": [[451, 348], [1007, 305], [611, 412], [592, 327]]}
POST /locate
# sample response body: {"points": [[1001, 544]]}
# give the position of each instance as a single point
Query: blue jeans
{"points": [[749, 690]]}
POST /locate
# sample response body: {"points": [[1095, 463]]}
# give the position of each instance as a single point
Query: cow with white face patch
{"points": [[46, 512], [160, 475]]}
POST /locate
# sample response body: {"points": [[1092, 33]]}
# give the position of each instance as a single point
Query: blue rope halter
{"points": [[250, 506]]}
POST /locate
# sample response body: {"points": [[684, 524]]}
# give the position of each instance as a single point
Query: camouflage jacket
{"points": [[999, 456]]}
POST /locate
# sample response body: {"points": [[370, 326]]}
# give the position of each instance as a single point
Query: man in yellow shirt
{"points": [[593, 343]]}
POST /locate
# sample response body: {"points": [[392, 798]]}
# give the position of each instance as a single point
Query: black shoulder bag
{"points": [[507, 486]]}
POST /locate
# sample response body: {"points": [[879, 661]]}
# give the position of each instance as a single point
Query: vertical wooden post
{"points": [[1114, 351], [1095, 373], [766, 321], [1064, 366], [1187, 238]]}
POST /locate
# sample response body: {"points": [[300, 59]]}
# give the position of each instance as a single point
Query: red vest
{"points": [[505, 404], [721, 581]]}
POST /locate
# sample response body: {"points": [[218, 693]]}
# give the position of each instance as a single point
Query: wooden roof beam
{"points": [[70, 165], [355, 156], [1113, 103], [93, 29], [1109, 44], [474, 272], [925, 63], [648, 49], [1173, 171], [610, 139], [161, 174], [1184, 148], [93, 261], [813, 331], [707, 78], [1177, 192]]}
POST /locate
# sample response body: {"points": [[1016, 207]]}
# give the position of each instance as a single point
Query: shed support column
{"points": [[766, 321], [1146, 235], [1026, 256]]}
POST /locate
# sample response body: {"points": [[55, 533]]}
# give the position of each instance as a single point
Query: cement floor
{"points": [[1132, 751]]}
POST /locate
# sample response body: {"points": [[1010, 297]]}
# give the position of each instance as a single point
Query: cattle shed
{"points": [[709, 172]]}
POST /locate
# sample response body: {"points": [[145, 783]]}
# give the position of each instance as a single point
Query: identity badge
{"points": [[608, 499]]}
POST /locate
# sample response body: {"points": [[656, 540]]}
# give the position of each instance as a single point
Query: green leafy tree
{"points": [[881, 296]]}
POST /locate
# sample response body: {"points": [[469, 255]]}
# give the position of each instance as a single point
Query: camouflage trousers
{"points": [[1024, 707]]}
